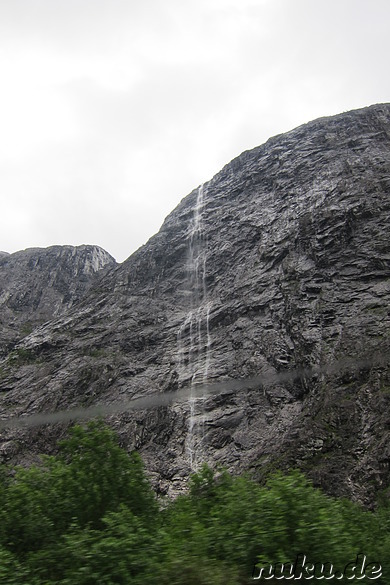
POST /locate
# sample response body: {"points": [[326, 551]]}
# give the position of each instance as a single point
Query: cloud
{"points": [[113, 110]]}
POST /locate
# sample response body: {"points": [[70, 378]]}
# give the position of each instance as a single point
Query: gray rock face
{"points": [[38, 284], [272, 279]]}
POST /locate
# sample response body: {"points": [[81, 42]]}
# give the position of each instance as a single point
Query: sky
{"points": [[111, 111]]}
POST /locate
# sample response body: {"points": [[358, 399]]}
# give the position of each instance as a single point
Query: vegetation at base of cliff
{"points": [[22, 356], [89, 515]]}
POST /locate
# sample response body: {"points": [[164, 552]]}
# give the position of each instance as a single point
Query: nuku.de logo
{"points": [[302, 569]]}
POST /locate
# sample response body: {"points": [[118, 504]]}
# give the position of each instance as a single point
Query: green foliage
{"points": [[296, 518], [11, 572], [26, 328], [122, 552], [22, 356], [91, 477], [103, 476], [89, 515], [95, 352]]}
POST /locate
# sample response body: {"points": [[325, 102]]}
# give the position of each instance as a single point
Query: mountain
{"points": [[262, 304], [38, 284]]}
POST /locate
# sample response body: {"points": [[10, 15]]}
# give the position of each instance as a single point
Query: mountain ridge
{"points": [[37, 284], [279, 263]]}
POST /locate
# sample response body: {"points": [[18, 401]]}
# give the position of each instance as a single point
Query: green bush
{"points": [[89, 515]]}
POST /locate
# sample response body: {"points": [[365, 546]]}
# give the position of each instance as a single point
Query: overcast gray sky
{"points": [[111, 111]]}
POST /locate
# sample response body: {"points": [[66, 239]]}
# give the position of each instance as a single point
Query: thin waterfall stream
{"points": [[193, 338]]}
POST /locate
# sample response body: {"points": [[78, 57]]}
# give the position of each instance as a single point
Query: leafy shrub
{"points": [[89, 515]]}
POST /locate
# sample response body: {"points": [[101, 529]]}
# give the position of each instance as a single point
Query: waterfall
{"points": [[193, 337]]}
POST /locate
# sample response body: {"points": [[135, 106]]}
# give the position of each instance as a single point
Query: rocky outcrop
{"points": [[38, 284], [271, 280]]}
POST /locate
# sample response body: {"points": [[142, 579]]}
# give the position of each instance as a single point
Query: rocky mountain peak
{"points": [[263, 301], [38, 284]]}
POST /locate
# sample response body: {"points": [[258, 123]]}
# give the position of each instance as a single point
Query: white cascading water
{"points": [[193, 338]]}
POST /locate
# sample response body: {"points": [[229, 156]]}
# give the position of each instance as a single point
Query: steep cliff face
{"points": [[38, 284], [278, 265]]}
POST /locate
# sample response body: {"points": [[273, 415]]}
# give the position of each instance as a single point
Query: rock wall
{"points": [[271, 280], [38, 284]]}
